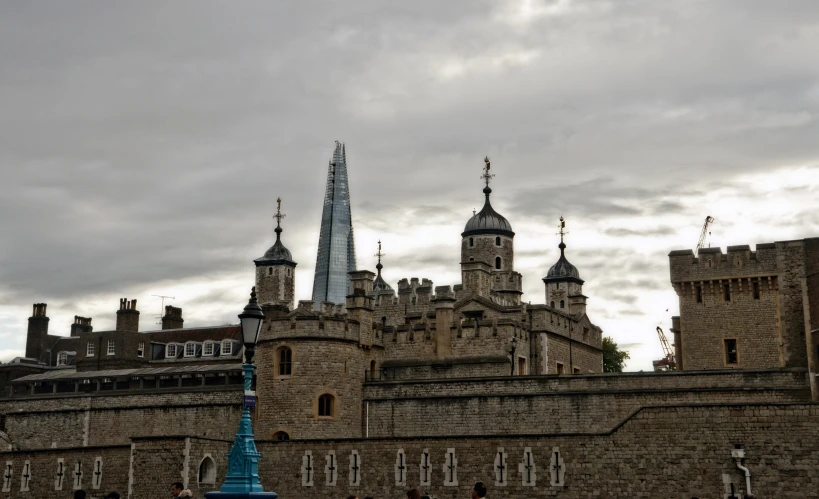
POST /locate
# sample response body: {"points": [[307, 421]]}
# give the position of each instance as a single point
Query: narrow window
{"points": [[497, 262], [281, 436], [269, 270], [112, 347], [141, 349], [471, 242], [62, 358], [756, 290], [699, 293], [562, 304], [730, 352], [227, 347], [559, 368], [372, 370], [553, 305], [190, 349], [89, 349], [585, 335], [497, 241], [727, 292], [207, 471], [285, 362], [207, 349], [325, 405], [522, 366]]}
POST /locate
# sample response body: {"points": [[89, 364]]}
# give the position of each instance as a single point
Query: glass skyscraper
{"points": [[336, 249]]}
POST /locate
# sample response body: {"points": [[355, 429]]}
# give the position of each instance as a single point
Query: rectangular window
{"points": [[141, 349], [227, 347], [699, 293], [62, 359], [190, 349], [756, 290], [207, 349], [726, 290], [731, 355], [577, 370], [559, 368], [112, 347], [522, 366], [170, 351], [89, 349]]}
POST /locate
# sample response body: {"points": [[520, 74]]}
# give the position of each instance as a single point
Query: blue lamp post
{"points": [[242, 480]]}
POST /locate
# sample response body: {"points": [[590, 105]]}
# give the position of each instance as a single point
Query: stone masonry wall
{"points": [[556, 404], [677, 452]]}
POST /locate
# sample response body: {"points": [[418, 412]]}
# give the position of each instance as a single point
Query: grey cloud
{"points": [[656, 231]]}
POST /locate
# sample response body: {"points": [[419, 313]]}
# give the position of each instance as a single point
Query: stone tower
{"points": [[276, 270], [336, 249], [488, 238], [564, 287]]}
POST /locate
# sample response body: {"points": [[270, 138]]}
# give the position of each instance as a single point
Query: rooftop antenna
{"points": [[162, 306]]}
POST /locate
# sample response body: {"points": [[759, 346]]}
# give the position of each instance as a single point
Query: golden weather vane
{"points": [[279, 215], [562, 229], [486, 175]]}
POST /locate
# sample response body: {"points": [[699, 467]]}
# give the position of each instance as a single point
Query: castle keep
{"points": [[435, 387]]}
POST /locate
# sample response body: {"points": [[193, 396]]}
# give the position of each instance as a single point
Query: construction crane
{"points": [[708, 220], [669, 363]]}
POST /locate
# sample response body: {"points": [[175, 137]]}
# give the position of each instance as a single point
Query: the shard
{"points": [[336, 249]]}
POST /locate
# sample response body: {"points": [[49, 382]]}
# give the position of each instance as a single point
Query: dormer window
{"points": [[207, 349], [227, 347], [141, 349], [170, 351], [62, 358]]}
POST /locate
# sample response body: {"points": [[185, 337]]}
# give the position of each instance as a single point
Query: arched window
{"points": [[471, 242], [562, 304], [285, 361], [281, 436], [269, 270], [497, 262], [497, 241], [325, 405], [553, 304], [207, 471], [471, 258]]}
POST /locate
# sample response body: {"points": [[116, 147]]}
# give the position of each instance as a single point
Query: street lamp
{"points": [[513, 346], [242, 480]]}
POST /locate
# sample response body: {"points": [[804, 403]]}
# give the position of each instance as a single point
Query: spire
{"points": [[487, 177], [380, 284], [561, 232], [278, 216]]}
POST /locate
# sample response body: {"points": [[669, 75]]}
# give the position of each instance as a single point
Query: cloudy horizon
{"points": [[143, 145]]}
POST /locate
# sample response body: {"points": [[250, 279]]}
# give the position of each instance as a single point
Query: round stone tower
{"points": [[564, 287], [488, 238], [276, 270]]}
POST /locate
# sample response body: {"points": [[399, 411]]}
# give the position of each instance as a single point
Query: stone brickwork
{"points": [[484, 249], [562, 404], [759, 299]]}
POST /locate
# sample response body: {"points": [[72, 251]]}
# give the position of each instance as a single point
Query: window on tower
{"points": [[497, 241], [326, 406], [471, 242], [497, 262], [285, 360], [562, 304]]}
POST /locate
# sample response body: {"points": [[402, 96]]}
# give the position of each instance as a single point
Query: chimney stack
{"points": [[360, 308], [37, 334], [172, 318], [81, 325], [127, 315]]}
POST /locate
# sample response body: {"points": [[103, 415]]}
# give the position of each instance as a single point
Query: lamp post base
{"points": [[241, 495]]}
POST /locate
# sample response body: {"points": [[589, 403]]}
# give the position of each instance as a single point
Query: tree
{"points": [[613, 357]]}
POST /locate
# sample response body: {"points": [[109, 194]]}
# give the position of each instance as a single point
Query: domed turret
{"points": [[276, 270], [380, 284], [487, 221], [564, 287]]}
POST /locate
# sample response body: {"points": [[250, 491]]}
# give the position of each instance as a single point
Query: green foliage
{"points": [[613, 357]]}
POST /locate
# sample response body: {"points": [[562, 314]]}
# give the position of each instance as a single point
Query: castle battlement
{"points": [[712, 264]]}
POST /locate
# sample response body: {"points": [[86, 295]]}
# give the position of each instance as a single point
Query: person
{"points": [[479, 491], [79, 494], [112, 495], [414, 494], [176, 489]]}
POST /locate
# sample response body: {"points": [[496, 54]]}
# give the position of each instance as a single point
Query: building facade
{"points": [[336, 249]]}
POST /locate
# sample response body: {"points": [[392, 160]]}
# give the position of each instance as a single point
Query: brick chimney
{"points": [[37, 334], [127, 315], [81, 325], [172, 318]]}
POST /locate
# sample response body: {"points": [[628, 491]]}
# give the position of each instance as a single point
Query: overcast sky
{"points": [[143, 144]]}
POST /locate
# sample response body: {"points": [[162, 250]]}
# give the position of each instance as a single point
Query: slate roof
{"points": [[118, 373]]}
